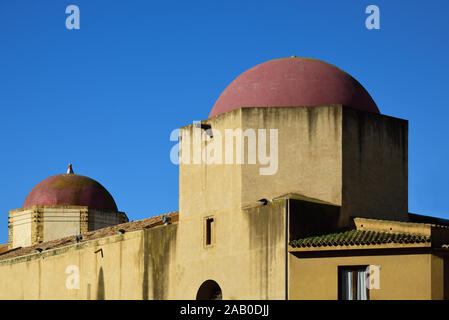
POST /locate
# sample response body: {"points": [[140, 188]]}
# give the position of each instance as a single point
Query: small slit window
{"points": [[209, 231]]}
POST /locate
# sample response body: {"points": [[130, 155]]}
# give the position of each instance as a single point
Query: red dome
{"points": [[293, 82], [70, 190]]}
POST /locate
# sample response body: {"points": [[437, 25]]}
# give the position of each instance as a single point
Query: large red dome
{"points": [[70, 190], [293, 81]]}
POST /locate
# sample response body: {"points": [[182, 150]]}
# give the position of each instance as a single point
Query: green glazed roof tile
{"points": [[358, 237]]}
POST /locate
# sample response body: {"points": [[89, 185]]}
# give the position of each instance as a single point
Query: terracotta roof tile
{"points": [[3, 247], [91, 235]]}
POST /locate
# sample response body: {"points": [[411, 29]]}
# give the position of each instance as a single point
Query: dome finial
{"points": [[70, 170]]}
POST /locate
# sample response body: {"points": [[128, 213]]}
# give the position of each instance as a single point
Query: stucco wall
{"points": [[324, 152], [332, 153], [247, 259], [402, 276], [29, 226], [309, 153], [375, 166], [100, 219], [209, 188], [60, 222], [116, 267], [309, 159], [21, 233]]}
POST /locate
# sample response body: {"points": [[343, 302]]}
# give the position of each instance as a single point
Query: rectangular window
{"points": [[209, 228], [352, 283]]}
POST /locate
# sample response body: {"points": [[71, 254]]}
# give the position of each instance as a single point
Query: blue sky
{"points": [[107, 96]]}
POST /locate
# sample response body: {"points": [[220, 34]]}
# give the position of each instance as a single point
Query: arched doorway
{"points": [[209, 290]]}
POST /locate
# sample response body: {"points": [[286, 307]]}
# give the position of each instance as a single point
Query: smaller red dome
{"points": [[70, 190]]}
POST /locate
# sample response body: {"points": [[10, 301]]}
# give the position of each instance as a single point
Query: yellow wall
{"points": [[321, 155], [20, 235], [166, 262], [60, 222], [402, 276], [124, 272], [375, 166], [36, 224], [333, 153], [247, 259]]}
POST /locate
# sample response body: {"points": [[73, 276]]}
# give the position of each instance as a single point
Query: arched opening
{"points": [[209, 290]]}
